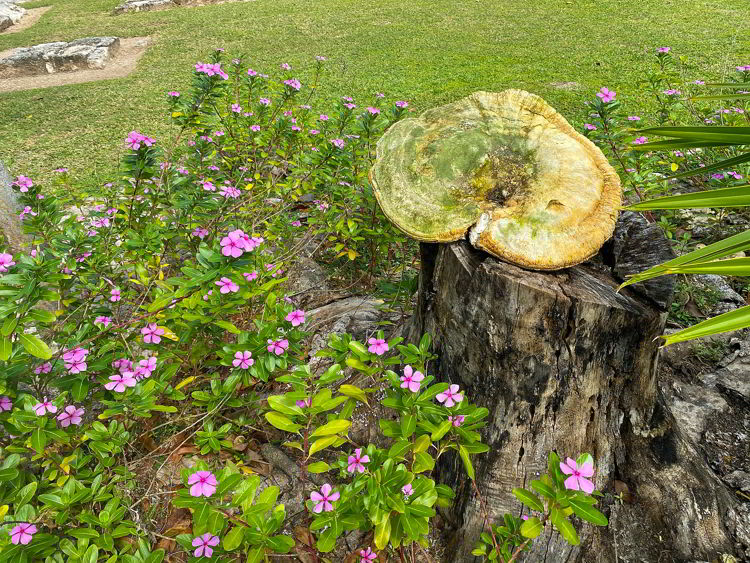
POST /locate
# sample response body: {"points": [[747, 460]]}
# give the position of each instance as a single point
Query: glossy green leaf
{"points": [[336, 426], [587, 512], [35, 346], [322, 443], [529, 499], [281, 422], [738, 196], [733, 320], [532, 527]]}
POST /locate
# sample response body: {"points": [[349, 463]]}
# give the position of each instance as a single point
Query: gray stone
{"points": [[693, 405], [307, 283], [143, 5], [10, 14], [86, 53], [739, 480], [728, 299]]}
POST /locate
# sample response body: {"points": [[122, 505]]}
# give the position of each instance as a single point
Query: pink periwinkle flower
{"points": [[250, 276], [377, 346], [22, 533], [324, 499], [44, 407], [293, 83], [23, 183], [367, 556], [323, 117], [450, 396], [303, 403], [200, 232], [152, 333], [589, 126], [103, 320], [230, 192], [226, 285], [320, 58], [203, 483], [148, 365], [5, 403], [243, 360], [373, 110], [26, 211], [407, 490], [296, 223], [457, 420], [699, 82], [672, 92], [339, 143], [114, 295], [208, 186], [264, 102], [6, 261], [350, 106], [664, 49], [174, 94], [356, 460], [578, 476], [296, 317], [71, 415], [606, 95], [411, 379], [204, 543], [285, 66], [236, 108], [402, 104], [134, 140], [277, 347], [120, 381], [640, 140], [717, 176], [633, 118]]}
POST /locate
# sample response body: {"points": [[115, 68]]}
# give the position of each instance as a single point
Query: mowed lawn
{"points": [[425, 51]]}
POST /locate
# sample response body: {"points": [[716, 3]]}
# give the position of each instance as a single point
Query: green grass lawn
{"points": [[425, 51]]}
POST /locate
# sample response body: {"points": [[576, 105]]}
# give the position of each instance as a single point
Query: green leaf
{"points": [[35, 346], [281, 422], [8, 474], [322, 443], [24, 495], [738, 196], [543, 489], [336, 426], [529, 499], [38, 440], [155, 557], [226, 325], [280, 543], [318, 467], [6, 347], [587, 512], [733, 320], [442, 430], [256, 555], [91, 555], [423, 462], [531, 528], [353, 392], [565, 528], [408, 425], [83, 533], [464, 455], [233, 538], [726, 247], [383, 533], [9, 326]]}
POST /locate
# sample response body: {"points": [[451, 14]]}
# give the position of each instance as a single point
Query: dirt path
{"points": [[30, 18], [121, 65]]}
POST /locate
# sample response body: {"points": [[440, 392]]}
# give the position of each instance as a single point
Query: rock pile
{"points": [[10, 14], [48, 58]]}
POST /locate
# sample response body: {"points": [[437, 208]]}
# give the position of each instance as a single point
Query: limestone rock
{"points": [[10, 14], [86, 53], [143, 5]]}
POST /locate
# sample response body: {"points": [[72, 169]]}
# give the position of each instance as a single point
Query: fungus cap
{"points": [[506, 167]]}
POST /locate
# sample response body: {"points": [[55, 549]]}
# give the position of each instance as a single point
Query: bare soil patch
{"points": [[32, 16], [121, 65]]}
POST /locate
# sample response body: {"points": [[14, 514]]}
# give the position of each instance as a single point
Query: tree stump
{"points": [[563, 362]]}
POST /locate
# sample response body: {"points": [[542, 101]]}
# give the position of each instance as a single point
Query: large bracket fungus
{"points": [[507, 168]]}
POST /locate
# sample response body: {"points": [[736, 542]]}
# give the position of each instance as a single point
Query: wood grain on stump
{"points": [[564, 362]]}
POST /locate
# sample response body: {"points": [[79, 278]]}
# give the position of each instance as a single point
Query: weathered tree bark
{"points": [[563, 362]]}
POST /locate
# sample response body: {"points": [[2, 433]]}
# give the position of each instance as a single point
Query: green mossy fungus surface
{"points": [[429, 52]]}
